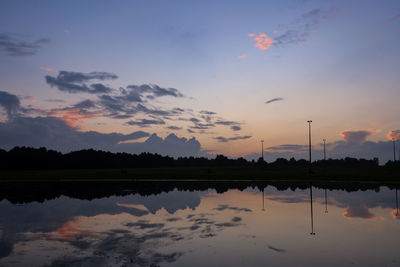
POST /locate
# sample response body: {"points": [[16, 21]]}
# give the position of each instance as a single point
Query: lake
{"points": [[203, 224]]}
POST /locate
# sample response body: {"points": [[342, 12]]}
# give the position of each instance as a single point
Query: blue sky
{"points": [[335, 62]]}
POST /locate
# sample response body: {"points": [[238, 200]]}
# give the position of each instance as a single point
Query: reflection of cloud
{"points": [[356, 136], [395, 214], [263, 41], [71, 230], [359, 212], [276, 249], [227, 207]]}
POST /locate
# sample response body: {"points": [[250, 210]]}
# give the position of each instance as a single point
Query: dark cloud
{"points": [[85, 104], [145, 122], [227, 139], [77, 82], [356, 136], [12, 45], [235, 128], [10, 103], [274, 100], [205, 112], [175, 128], [228, 123], [152, 91], [55, 100]]}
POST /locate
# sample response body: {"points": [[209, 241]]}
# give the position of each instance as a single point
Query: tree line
{"points": [[42, 158]]}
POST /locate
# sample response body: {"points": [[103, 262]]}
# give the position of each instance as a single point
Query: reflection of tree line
{"points": [[41, 158], [23, 192]]}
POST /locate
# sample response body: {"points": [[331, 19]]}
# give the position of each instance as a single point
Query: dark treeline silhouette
{"points": [[41, 158], [18, 193]]}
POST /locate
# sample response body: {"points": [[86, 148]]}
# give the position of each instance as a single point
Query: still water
{"points": [[253, 226]]}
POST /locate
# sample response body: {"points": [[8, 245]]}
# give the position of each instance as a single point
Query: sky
{"points": [[212, 76]]}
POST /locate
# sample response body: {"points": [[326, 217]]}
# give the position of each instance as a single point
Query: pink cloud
{"points": [[48, 69], [356, 136], [393, 135], [242, 56], [263, 41]]}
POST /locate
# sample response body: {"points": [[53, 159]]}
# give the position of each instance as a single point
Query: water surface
{"points": [[257, 226]]}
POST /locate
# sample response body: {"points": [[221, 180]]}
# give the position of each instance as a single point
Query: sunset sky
{"points": [[228, 73]]}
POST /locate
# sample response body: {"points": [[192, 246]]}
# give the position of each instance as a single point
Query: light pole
{"points": [[394, 150], [324, 149], [309, 141], [262, 150]]}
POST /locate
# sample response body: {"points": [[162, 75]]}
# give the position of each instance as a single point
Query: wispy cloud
{"points": [[10, 103], [263, 41], [393, 19], [14, 45], [242, 56], [222, 139], [274, 100], [145, 122]]}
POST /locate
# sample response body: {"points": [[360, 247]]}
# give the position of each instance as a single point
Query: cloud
{"points": [[300, 29], [222, 139], [12, 45], [48, 69], [274, 100], [175, 128], [152, 91], [205, 112], [393, 135], [54, 133], [76, 82], [228, 123], [10, 103], [145, 122], [263, 42], [393, 19], [356, 136], [242, 56], [235, 128]]}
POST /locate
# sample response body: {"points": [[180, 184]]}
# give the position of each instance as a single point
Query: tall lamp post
{"points": [[324, 148], [262, 150], [394, 150], [309, 141]]}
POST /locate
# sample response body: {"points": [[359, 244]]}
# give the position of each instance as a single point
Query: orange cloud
{"points": [[395, 214], [242, 56], [263, 41], [393, 135], [357, 136], [48, 69], [33, 100], [74, 116]]}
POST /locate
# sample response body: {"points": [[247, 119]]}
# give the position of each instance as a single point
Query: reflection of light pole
{"points": [[262, 150], [309, 141], [312, 215], [326, 201], [324, 149], [394, 150], [263, 200], [397, 205]]}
